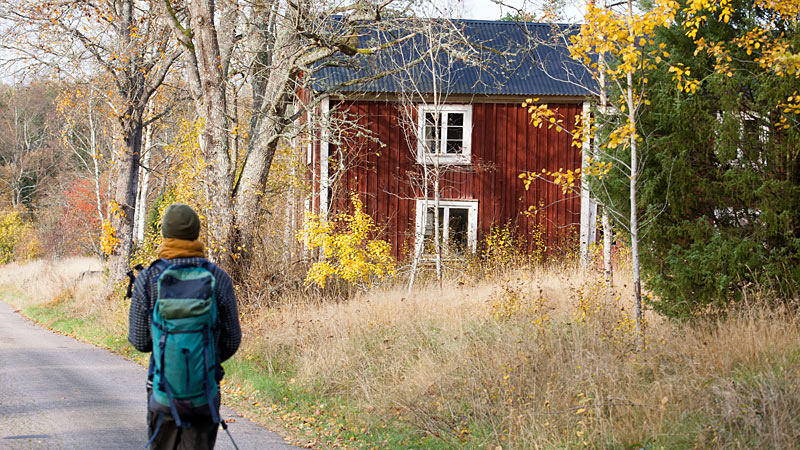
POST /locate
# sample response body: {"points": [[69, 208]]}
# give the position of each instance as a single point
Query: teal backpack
{"points": [[185, 366]]}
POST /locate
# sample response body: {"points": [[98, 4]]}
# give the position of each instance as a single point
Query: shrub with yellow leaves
{"points": [[501, 247], [12, 227], [350, 252], [513, 300], [108, 238]]}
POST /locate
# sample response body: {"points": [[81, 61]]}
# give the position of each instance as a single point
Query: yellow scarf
{"points": [[180, 248]]}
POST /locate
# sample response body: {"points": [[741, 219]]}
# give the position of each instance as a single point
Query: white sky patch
{"points": [[490, 10]]}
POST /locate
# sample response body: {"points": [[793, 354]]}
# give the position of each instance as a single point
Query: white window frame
{"points": [[441, 156], [472, 220], [762, 130], [763, 133], [763, 138]]}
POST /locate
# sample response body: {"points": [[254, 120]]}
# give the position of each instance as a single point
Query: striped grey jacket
{"points": [[228, 333]]}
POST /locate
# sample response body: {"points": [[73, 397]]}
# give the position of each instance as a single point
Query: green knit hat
{"points": [[180, 222]]}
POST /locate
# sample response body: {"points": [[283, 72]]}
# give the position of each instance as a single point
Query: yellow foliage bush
{"points": [[512, 300], [12, 228], [28, 246], [349, 252], [501, 247], [108, 238]]}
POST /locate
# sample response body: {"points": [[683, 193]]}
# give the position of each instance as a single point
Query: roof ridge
{"points": [[513, 22]]}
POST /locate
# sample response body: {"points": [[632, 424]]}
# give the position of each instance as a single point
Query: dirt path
{"points": [[58, 393]]}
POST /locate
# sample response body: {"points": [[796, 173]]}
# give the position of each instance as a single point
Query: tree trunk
{"points": [[221, 222], [135, 89], [141, 203], [419, 237], [125, 196], [272, 96], [95, 164], [608, 237], [637, 287], [419, 245], [252, 183], [436, 224]]}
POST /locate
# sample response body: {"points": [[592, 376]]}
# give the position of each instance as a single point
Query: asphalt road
{"points": [[58, 393]]}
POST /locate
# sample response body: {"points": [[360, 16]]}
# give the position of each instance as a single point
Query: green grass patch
{"points": [[58, 317], [11, 295], [318, 419]]}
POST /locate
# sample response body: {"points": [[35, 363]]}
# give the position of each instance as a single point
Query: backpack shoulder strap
{"points": [[209, 266], [160, 264], [132, 278], [154, 270]]}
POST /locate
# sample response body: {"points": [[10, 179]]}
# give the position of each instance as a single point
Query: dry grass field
{"points": [[534, 358]]}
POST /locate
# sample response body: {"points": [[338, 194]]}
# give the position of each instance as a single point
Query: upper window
{"points": [[445, 134]]}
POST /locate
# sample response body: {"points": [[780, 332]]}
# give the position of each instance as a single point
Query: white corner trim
{"points": [[324, 151]]}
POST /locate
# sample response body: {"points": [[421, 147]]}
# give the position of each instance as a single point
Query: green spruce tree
{"points": [[722, 184]]}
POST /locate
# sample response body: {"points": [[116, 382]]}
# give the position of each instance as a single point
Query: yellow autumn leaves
{"points": [[350, 252], [622, 36]]}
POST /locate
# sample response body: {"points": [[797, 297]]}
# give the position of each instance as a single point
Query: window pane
{"points": [[455, 133], [455, 139], [432, 145], [429, 222], [429, 247], [457, 229], [454, 147], [432, 132], [456, 119]]}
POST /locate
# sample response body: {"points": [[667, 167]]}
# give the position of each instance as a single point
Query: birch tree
{"points": [[622, 38], [82, 132], [423, 78]]}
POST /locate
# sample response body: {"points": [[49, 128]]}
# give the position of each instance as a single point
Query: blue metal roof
{"points": [[479, 58]]}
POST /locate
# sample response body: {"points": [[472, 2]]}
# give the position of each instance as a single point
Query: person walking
{"points": [[183, 310]]}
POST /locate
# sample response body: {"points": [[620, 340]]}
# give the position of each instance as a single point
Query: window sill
{"points": [[446, 160]]}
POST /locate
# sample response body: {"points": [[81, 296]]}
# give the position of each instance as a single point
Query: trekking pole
{"points": [[225, 427]]}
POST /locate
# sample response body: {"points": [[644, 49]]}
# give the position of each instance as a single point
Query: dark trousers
{"points": [[200, 434]]}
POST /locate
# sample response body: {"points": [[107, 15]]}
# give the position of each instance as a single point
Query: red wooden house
{"points": [[477, 137]]}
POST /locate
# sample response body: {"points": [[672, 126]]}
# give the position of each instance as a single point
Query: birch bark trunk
{"points": [[634, 218], [608, 237], [141, 203]]}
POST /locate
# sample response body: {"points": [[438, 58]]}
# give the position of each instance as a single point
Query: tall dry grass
{"points": [[544, 358], [534, 358], [41, 281], [75, 284]]}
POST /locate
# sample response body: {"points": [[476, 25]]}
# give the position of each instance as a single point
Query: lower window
{"points": [[458, 228]]}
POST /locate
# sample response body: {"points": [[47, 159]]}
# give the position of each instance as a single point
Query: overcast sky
{"points": [[489, 10]]}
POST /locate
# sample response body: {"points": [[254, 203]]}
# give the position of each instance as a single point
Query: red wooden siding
{"points": [[504, 144]]}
